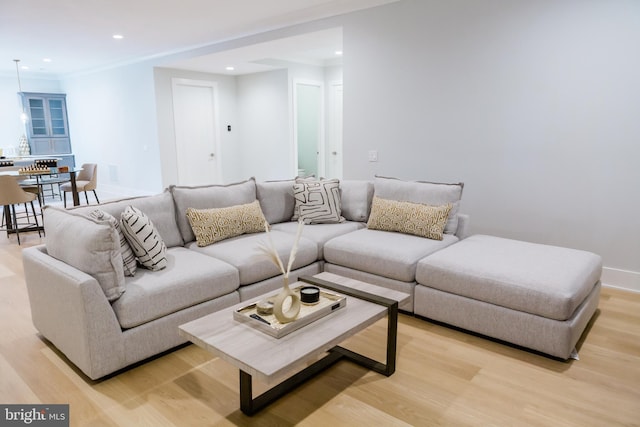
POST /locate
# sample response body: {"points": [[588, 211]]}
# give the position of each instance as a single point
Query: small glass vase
{"points": [[279, 304]]}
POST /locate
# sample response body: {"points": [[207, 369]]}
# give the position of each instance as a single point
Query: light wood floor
{"points": [[444, 377]]}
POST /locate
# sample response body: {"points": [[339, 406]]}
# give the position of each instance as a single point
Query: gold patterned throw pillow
{"points": [[409, 218], [213, 225]]}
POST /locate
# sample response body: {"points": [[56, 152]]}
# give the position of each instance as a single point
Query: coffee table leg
{"points": [[250, 405], [387, 368], [392, 326], [246, 394]]}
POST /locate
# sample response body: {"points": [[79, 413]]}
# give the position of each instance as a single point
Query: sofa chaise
{"points": [[103, 320]]}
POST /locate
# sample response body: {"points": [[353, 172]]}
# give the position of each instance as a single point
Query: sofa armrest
{"points": [[69, 308], [463, 226]]}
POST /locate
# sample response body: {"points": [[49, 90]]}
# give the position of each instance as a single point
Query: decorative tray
{"points": [[328, 303]]}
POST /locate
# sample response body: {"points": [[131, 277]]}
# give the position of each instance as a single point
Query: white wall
{"points": [[112, 120], [264, 118], [534, 105]]}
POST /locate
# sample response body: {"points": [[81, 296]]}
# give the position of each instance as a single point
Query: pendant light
{"points": [[23, 143]]}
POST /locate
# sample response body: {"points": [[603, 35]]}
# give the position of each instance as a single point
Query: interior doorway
{"points": [[196, 131], [309, 128]]}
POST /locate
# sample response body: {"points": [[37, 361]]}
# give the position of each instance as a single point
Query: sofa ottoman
{"points": [[537, 296]]}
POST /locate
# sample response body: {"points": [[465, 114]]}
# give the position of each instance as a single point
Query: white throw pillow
{"points": [[144, 239], [317, 202]]}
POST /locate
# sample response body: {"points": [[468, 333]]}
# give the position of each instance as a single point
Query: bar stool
{"points": [[10, 195]]}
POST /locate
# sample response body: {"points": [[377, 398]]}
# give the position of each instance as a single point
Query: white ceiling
{"points": [[317, 48], [77, 34]]}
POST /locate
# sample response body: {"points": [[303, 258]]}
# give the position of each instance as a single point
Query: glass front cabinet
{"points": [[47, 126]]}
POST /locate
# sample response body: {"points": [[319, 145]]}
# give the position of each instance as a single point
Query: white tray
{"points": [[328, 303]]}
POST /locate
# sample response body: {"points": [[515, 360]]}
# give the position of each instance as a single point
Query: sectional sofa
{"points": [[103, 320]]}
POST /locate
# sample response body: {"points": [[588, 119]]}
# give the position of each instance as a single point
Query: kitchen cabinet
{"points": [[47, 124]]}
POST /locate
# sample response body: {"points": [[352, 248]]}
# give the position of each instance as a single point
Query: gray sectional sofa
{"points": [[68, 278]]}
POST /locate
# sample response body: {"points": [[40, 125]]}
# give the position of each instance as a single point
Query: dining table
{"points": [[72, 177]]}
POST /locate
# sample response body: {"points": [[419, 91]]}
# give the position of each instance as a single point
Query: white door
{"points": [[334, 149], [309, 128], [194, 116]]}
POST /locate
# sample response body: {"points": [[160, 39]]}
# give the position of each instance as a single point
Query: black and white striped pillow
{"points": [[317, 202], [128, 257], [144, 239]]}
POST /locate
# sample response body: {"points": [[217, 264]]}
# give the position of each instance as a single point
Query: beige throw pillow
{"points": [[428, 193], [409, 218], [213, 225]]}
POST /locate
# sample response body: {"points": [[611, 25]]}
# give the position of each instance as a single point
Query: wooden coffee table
{"points": [[270, 359]]}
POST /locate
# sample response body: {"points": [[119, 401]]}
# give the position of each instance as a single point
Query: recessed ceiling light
{"points": [[118, 36], [46, 59], [338, 52], [229, 68]]}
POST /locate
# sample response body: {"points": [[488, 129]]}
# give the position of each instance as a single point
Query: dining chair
{"points": [[51, 180], [87, 180], [12, 194]]}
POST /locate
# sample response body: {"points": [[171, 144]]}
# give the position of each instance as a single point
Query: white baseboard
{"points": [[623, 279]]}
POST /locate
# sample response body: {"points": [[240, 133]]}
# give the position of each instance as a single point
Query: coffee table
{"points": [[268, 359]]}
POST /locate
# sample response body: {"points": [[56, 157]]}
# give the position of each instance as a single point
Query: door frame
{"points": [[321, 137], [332, 131], [181, 81]]}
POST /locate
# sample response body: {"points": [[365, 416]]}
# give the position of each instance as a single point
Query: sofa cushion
{"points": [[242, 252], [90, 245], [410, 218], [214, 225], [159, 208], [385, 253], [129, 261], [356, 197], [320, 233], [208, 197], [547, 281], [430, 193], [144, 239], [317, 202], [276, 200], [189, 279]]}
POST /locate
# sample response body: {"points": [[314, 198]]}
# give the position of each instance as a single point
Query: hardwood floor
{"points": [[444, 377]]}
